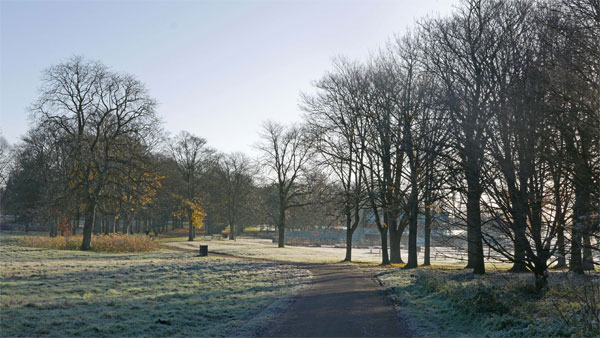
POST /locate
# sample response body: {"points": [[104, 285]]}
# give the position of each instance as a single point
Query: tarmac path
{"points": [[341, 301]]}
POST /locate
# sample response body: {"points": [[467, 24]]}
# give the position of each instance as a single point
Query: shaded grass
{"points": [[162, 293], [456, 303]]}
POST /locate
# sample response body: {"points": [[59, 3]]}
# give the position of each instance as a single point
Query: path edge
{"points": [[393, 300], [268, 316]]}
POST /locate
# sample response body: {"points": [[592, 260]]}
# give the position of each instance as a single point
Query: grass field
{"points": [[174, 293], [261, 248], [161, 293]]}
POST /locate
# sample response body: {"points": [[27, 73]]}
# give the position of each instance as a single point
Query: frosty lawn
{"points": [[163, 293], [262, 248]]}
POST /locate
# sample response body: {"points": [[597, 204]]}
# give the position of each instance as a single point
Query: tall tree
{"points": [[192, 156], [285, 152], [237, 174], [335, 119], [95, 113], [458, 51]]}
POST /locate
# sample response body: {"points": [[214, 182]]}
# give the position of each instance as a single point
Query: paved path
{"points": [[341, 302]]}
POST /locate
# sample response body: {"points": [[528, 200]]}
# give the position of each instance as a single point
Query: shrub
{"points": [[56, 243], [428, 281], [252, 230], [100, 243], [465, 294]]}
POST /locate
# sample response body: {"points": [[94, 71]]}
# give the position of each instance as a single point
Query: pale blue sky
{"points": [[217, 68]]}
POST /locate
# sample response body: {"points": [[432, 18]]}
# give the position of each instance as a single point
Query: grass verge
{"points": [[457, 303]]}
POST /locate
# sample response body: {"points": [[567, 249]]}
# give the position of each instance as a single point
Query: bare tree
{"points": [[237, 173], [191, 155], [335, 119], [285, 153], [95, 113], [458, 51], [573, 37]]}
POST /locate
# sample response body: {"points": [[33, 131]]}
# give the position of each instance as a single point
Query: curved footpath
{"points": [[341, 301]]}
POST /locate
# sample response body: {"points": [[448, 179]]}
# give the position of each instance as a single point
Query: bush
{"points": [[252, 230], [467, 295], [100, 243], [428, 281]]}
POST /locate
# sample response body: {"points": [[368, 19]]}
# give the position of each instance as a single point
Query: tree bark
{"points": [[191, 227], [520, 245], [560, 241], [106, 221], [88, 225], [413, 209], [281, 239], [281, 222], [385, 259], [54, 227], [349, 233], [395, 238], [582, 198], [97, 225], [474, 236], [232, 228], [427, 230], [588, 260]]}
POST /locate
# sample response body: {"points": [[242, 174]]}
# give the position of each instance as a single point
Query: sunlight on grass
{"points": [[161, 293]]}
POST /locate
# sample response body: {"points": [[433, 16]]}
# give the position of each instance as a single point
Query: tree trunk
{"points": [[580, 207], [413, 209], [191, 227], [106, 221], [76, 224], [560, 243], [88, 225], [281, 224], [541, 277], [474, 236], [349, 233], [54, 227], [427, 258], [519, 226], [127, 225], [232, 229], [281, 239], [520, 245], [97, 225], [395, 239], [385, 259], [588, 260]]}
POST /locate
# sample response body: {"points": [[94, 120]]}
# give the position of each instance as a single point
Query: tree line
{"points": [[490, 114]]}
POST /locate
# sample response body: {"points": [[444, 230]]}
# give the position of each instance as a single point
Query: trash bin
{"points": [[203, 250]]}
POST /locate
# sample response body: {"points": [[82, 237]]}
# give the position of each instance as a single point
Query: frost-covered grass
{"points": [[161, 293], [456, 303], [261, 248]]}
